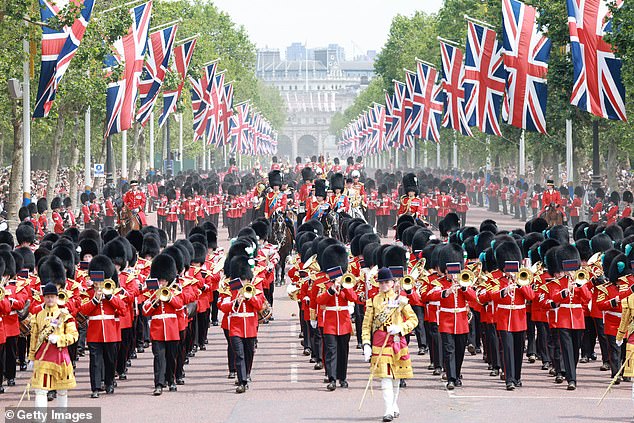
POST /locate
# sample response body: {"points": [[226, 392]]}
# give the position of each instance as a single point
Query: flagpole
{"points": [[455, 151], [425, 158], [26, 125], [151, 141], [180, 141], [477, 21], [165, 25], [438, 155], [184, 40], [431, 65], [130, 3], [454, 43], [87, 181], [522, 167], [124, 155], [204, 163], [569, 158]]}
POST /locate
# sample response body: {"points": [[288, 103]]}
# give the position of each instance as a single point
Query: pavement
{"points": [[285, 387]]}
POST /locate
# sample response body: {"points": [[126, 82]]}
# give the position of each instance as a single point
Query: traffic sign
{"points": [[99, 169]]}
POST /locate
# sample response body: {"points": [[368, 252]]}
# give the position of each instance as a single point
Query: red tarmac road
{"points": [[285, 387]]}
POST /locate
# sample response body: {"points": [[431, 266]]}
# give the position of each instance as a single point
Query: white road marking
{"points": [[294, 372]]}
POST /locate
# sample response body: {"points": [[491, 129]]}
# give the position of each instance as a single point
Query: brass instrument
{"points": [[311, 264], [165, 294], [407, 282], [247, 292], [219, 265], [466, 278], [581, 277], [524, 277], [418, 268], [348, 281], [62, 297], [3, 293], [108, 287]]}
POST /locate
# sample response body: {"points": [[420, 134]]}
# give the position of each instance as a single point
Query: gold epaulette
{"points": [[544, 287], [436, 282], [404, 199], [147, 294], [603, 287]]}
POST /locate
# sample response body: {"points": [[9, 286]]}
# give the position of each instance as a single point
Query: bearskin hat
{"points": [[25, 233], [163, 267], [307, 174], [450, 253], [507, 251], [23, 213], [410, 183], [240, 268], [115, 250], [382, 189], [52, 270], [320, 188], [336, 181], [88, 246], [334, 256], [615, 197], [579, 191], [628, 197], [599, 193]]}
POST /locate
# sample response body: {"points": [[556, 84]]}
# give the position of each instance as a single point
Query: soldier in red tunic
{"points": [[339, 202], [462, 203], [596, 210], [613, 208], [575, 206], [164, 327], [135, 200], [551, 197], [628, 199], [275, 199], [409, 203]]}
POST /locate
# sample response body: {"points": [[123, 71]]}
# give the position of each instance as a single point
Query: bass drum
{"points": [[265, 313]]}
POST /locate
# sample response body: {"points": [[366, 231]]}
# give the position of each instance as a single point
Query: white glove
{"points": [[619, 343], [29, 366], [394, 329], [367, 353], [313, 324], [52, 338]]}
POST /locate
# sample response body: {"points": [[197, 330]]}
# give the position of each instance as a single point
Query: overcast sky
{"points": [[357, 25]]}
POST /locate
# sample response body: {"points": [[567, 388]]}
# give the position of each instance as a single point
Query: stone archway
{"points": [[285, 148], [307, 146]]}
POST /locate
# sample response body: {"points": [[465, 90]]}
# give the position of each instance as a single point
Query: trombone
{"points": [[247, 292], [466, 278], [62, 297], [407, 282], [524, 277]]}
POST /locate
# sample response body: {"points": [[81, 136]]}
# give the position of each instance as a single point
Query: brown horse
{"points": [[282, 236], [552, 215], [128, 221]]}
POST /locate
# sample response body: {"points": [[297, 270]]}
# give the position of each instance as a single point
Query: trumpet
{"points": [[246, 292], [466, 278], [108, 287], [524, 277], [348, 281], [407, 283], [581, 277], [3, 294], [165, 294], [62, 297]]}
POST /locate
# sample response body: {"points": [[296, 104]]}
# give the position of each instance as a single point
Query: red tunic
{"points": [[103, 325], [453, 316], [336, 316], [242, 321], [164, 323], [569, 311], [510, 313]]}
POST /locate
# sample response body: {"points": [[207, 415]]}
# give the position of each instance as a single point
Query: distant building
{"points": [[313, 90], [268, 57]]}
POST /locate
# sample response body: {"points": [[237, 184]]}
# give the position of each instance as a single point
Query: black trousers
{"points": [[231, 357], [23, 343], [181, 353], [164, 362], [542, 341], [453, 347], [124, 350], [475, 332], [554, 349], [419, 330], [102, 363], [243, 350], [108, 221], [142, 329], [372, 217], [162, 223], [1, 362], [314, 335], [493, 346], [435, 344], [512, 350], [10, 355], [336, 359], [359, 314], [382, 224], [171, 230], [614, 354], [202, 319], [570, 340], [594, 330], [214, 306], [189, 224], [531, 348]]}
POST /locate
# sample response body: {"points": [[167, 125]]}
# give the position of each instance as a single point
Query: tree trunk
{"points": [[15, 181], [55, 153], [539, 167], [74, 162], [1, 148], [612, 166]]}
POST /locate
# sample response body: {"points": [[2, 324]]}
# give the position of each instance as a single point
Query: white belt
{"points": [[614, 313], [570, 305], [13, 312], [102, 317], [335, 308], [242, 314], [164, 316], [434, 303], [453, 310], [512, 306]]}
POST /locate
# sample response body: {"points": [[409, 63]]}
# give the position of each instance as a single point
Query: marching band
{"points": [[544, 291]]}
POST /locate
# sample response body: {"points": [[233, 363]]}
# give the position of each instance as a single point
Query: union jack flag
{"points": [[200, 99], [598, 88], [415, 93], [226, 111], [182, 57], [129, 50], [378, 128], [452, 80], [58, 49], [397, 137], [389, 106], [484, 80], [215, 97], [240, 129], [154, 72], [526, 54], [433, 102]]}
